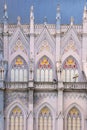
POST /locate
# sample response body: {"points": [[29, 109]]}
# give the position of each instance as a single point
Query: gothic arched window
{"points": [[19, 70], [45, 120], [16, 119], [44, 70], [74, 119], [70, 70]]}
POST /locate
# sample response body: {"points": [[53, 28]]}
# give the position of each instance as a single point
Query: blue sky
{"points": [[44, 8]]}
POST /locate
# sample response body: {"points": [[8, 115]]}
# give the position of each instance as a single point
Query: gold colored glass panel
{"points": [[16, 119], [44, 63], [16, 110], [74, 119], [45, 119], [19, 61], [74, 111], [45, 110]]}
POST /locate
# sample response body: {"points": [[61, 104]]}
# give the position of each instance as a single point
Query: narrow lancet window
{"points": [[44, 70]]}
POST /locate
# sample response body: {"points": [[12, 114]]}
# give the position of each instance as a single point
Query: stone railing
{"points": [[25, 85], [45, 85], [16, 85], [75, 85]]}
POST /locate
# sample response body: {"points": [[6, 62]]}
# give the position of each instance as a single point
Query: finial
{"points": [[5, 7], [85, 12], [18, 20], [58, 17], [58, 12], [45, 20], [85, 7], [32, 12], [71, 21], [58, 8], [32, 8], [5, 13]]}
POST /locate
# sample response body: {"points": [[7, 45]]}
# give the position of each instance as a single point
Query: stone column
{"points": [[5, 33], [2, 109], [6, 46], [30, 115], [60, 106], [60, 98]]}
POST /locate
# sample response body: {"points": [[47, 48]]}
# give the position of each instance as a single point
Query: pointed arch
{"points": [[15, 54], [19, 70], [74, 54], [15, 114], [16, 119], [45, 120], [45, 104], [46, 53], [51, 114], [80, 114], [74, 117], [70, 70], [44, 70]]}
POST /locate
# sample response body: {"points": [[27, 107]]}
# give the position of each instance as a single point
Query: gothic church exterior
{"points": [[43, 75]]}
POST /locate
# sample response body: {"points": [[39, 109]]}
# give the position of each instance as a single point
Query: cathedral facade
{"points": [[43, 74]]}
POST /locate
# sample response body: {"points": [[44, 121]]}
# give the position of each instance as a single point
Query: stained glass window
{"points": [[74, 119], [70, 70], [19, 70], [16, 119], [44, 70], [45, 119]]}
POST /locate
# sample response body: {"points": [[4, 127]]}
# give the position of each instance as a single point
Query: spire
{"points": [[5, 13], [32, 13], [32, 19], [71, 21], [58, 18], [45, 20], [85, 12], [85, 7], [18, 20]]}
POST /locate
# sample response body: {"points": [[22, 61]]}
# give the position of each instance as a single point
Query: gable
{"points": [[71, 42], [45, 42], [18, 41], [18, 46]]}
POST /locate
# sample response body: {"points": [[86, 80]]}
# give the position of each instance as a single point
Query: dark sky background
{"points": [[43, 8]]}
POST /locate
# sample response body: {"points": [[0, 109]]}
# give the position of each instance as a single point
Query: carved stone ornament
{"points": [[19, 46], [70, 46], [44, 46]]}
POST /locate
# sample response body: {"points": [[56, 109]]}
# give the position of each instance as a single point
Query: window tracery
{"points": [[19, 70], [74, 119], [19, 46], [70, 46], [70, 70], [44, 46], [44, 70], [16, 119], [45, 119]]}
